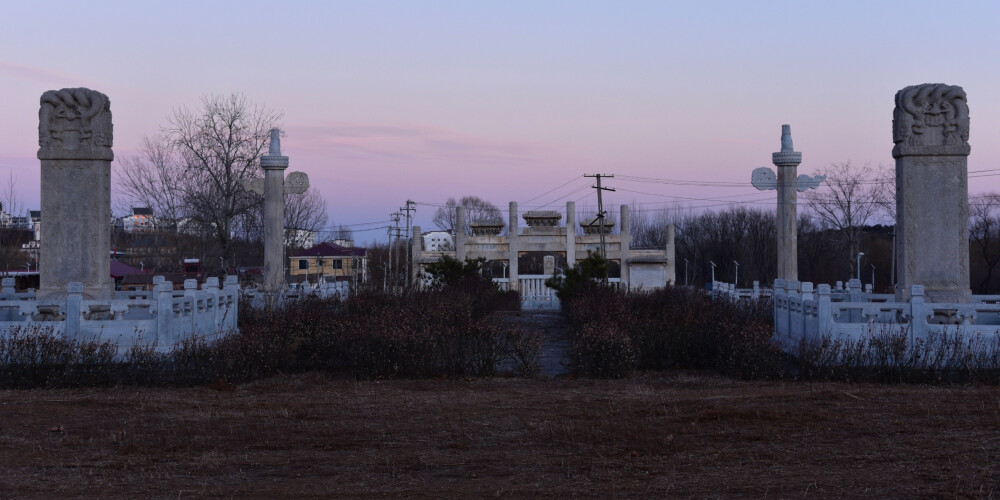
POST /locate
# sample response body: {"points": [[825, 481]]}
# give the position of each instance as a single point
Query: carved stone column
{"points": [[274, 166], [74, 139], [626, 242], [671, 261], [460, 239], [787, 162], [570, 234], [930, 129], [513, 247]]}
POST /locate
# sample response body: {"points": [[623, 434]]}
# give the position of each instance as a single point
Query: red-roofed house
{"points": [[330, 259]]}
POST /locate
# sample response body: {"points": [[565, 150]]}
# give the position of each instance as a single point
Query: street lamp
{"points": [[713, 273], [860, 254], [873, 278], [736, 282], [685, 272]]}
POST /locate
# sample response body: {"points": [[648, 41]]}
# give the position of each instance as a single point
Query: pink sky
{"points": [[428, 100]]}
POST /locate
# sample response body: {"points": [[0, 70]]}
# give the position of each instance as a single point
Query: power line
{"points": [[574, 179]]}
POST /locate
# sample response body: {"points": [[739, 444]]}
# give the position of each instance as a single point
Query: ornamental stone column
{"points": [[74, 139], [274, 166], [460, 234], [570, 234], [671, 251], [788, 183], [787, 162], [416, 248], [625, 235], [274, 186], [930, 129], [513, 248]]}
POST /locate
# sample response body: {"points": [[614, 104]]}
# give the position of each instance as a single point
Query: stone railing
{"points": [[162, 318], [729, 290], [804, 313], [337, 290], [535, 293]]}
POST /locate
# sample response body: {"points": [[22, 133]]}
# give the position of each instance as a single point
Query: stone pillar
{"points": [[460, 233], [671, 261], [787, 162], [625, 233], [930, 129], [74, 139], [549, 265], [416, 245], [274, 166], [513, 248], [570, 234]]}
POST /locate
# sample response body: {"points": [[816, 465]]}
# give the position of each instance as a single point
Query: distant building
{"points": [[437, 241], [141, 220], [299, 238], [35, 219], [330, 260]]}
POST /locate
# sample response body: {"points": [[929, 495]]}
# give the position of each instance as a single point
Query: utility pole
{"points": [[411, 206], [600, 207], [393, 251]]}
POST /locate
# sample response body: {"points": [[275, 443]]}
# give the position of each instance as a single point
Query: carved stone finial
{"points": [[275, 148], [273, 159], [787, 157], [930, 119], [74, 124], [786, 139]]}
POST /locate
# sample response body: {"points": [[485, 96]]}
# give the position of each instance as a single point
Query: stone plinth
{"points": [[74, 139], [930, 129]]}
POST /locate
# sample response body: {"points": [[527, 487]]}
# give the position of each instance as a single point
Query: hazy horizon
{"points": [[390, 101]]}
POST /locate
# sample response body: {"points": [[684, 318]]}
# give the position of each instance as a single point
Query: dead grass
{"points": [[675, 434]]}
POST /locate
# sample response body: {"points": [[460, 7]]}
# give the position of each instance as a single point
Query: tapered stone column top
{"points": [[74, 124], [787, 157], [274, 149], [273, 158], [931, 119]]}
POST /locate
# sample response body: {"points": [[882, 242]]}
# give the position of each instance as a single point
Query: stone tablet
{"points": [[930, 132]]}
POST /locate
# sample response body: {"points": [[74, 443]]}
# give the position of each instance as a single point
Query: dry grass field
{"points": [[674, 434]]}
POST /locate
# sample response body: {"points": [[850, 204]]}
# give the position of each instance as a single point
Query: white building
{"points": [[140, 220], [437, 241]]}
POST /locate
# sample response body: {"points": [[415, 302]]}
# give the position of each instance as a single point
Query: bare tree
{"points": [[13, 228], [850, 199], [304, 214], [984, 231], [155, 178], [339, 232], [476, 208], [221, 144]]}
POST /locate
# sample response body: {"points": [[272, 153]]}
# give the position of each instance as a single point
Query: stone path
{"points": [[556, 353]]}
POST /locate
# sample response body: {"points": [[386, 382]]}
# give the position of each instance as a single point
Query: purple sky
{"points": [[386, 101]]}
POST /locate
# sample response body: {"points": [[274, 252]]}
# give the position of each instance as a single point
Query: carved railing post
{"points": [[74, 302], [918, 313], [232, 286], [163, 293]]}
